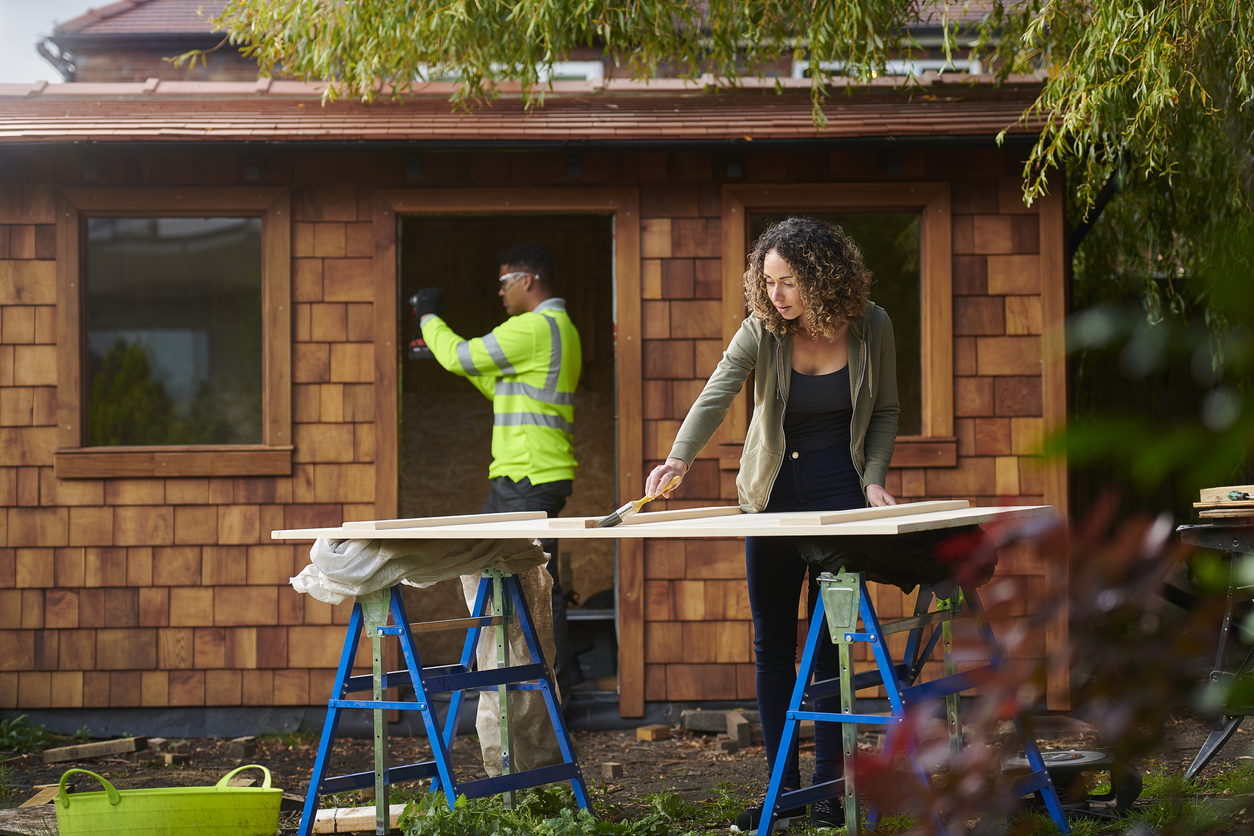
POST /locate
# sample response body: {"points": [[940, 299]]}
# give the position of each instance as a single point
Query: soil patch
{"points": [[689, 764]]}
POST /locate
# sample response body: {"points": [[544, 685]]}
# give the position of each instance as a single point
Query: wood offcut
{"points": [[102, 748]]}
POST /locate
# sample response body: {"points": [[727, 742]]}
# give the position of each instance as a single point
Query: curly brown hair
{"points": [[832, 280]]}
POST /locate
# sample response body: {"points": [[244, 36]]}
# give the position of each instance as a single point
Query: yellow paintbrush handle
{"points": [[671, 484]]}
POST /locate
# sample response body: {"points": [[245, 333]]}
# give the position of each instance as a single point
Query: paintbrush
{"points": [[630, 509]]}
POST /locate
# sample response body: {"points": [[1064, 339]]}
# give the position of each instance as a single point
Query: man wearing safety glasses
{"points": [[528, 366]]}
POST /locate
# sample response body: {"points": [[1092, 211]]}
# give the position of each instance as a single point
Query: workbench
{"points": [[711, 522]]}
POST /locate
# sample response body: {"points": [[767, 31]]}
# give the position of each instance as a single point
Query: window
{"points": [[913, 67], [904, 230], [173, 311], [889, 243], [173, 332]]}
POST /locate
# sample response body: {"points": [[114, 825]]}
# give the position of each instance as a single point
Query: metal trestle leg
{"points": [[843, 603], [499, 601]]}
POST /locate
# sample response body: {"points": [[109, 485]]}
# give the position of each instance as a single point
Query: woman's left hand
{"points": [[878, 496]]}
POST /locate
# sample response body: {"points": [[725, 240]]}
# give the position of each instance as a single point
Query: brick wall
{"points": [[153, 592]]}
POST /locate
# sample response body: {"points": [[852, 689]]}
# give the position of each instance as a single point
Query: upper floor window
{"points": [[898, 67]]}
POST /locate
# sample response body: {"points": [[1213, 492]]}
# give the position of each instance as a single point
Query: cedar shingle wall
{"points": [[152, 592]]}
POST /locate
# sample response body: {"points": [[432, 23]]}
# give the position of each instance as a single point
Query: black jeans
{"points": [[821, 480], [550, 497]]}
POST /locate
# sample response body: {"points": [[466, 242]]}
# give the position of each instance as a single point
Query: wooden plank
{"points": [[653, 732], [854, 514], [83, 751], [69, 325], [1054, 282], [936, 324], [276, 296], [453, 624], [43, 796], [353, 819], [176, 201], [631, 601], [1220, 494], [463, 519], [1216, 513], [742, 525], [172, 462], [735, 234], [386, 359], [650, 517]]}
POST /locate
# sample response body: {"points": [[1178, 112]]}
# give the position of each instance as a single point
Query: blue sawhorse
{"points": [[498, 602], [842, 601]]}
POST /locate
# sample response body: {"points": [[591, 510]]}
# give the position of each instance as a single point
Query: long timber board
{"points": [[741, 525]]}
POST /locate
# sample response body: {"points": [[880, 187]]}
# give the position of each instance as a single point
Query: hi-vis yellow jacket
{"points": [[528, 366]]}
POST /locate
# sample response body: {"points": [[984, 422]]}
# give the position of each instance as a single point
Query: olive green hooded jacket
{"points": [[872, 384]]}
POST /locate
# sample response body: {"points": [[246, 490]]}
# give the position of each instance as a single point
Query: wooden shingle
{"points": [[239, 524], [663, 642], [1008, 355], [195, 524], [134, 492], [678, 281], [209, 647], [191, 607], [352, 363], [66, 689], [245, 605], [223, 688], [92, 526], [75, 649], [700, 682], [655, 238], [126, 649], [139, 566], [141, 525], [329, 240], [187, 688], [176, 566]]}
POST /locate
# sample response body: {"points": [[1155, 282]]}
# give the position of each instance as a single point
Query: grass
{"points": [[10, 796], [301, 735]]}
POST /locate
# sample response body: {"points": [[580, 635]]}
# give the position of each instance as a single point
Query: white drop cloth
{"points": [[535, 742], [343, 569]]}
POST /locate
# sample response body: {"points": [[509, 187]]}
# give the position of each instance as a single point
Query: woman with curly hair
{"points": [[822, 434]]}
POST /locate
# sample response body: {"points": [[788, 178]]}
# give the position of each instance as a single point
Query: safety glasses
{"points": [[509, 278]]}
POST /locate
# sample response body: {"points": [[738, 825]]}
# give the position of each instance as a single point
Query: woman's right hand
{"points": [[662, 474]]}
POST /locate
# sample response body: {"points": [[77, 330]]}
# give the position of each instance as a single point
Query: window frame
{"points": [[273, 456], [936, 445]]}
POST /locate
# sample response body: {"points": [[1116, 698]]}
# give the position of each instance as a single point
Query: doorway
{"points": [[446, 424]]}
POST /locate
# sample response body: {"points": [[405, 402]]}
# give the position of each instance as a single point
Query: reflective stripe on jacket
{"points": [[528, 366]]}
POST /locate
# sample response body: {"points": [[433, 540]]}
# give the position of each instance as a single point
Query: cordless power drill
{"points": [[418, 346]]}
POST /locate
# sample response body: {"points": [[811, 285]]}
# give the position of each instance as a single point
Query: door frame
{"points": [[624, 205]]}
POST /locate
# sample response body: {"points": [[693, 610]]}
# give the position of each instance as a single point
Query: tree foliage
{"points": [[1133, 87], [1149, 100]]}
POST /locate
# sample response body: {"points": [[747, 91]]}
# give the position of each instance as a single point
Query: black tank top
{"points": [[819, 410]]}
